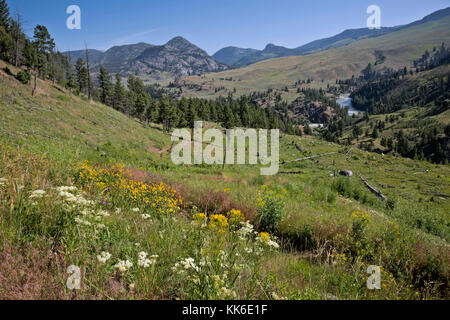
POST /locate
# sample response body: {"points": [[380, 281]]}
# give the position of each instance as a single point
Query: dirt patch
{"points": [[27, 274], [152, 149], [213, 202], [142, 176]]}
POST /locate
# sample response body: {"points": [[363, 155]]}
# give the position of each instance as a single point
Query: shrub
{"points": [[331, 197], [390, 203], [359, 245], [24, 76], [270, 209], [343, 187]]}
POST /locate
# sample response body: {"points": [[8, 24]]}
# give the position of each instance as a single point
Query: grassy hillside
{"points": [[53, 123], [400, 49], [332, 228]]}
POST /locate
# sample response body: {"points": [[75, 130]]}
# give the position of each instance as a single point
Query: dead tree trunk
{"points": [[375, 191], [88, 71], [311, 157], [35, 83]]}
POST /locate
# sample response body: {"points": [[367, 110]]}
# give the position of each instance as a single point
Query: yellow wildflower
{"points": [[219, 222]]}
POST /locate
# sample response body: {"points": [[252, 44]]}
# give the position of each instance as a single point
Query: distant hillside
{"points": [[231, 55], [95, 56], [408, 110], [177, 58], [342, 39], [250, 56], [392, 50]]}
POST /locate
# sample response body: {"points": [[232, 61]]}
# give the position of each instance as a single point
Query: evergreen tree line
{"points": [[374, 95], [432, 60], [136, 100]]}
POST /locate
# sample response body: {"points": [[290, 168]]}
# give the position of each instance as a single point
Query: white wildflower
{"points": [[67, 189], [69, 197], [248, 250], [82, 222], [124, 265], [103, 257], [145, 262], [37, 194], [135, 210], [186, 264], [103, 213], [145, 216], [273, 244], [86, 213], [246, 230]]}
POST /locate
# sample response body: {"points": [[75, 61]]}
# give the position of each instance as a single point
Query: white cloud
{"points": [[130, 38]]}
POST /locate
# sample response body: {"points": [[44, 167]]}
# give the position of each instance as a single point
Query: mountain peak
{"points": [[270, 46], [179, 43]]}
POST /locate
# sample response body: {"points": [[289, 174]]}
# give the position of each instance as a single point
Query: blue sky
{"points": [[212, 24]]}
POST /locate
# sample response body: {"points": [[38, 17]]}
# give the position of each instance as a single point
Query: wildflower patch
{"points": [[115, 183]]}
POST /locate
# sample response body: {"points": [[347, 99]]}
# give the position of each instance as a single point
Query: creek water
{"points": [[345, 101]]}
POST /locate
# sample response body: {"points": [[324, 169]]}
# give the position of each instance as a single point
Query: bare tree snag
{"points": [[375, 191], [311, 157]]}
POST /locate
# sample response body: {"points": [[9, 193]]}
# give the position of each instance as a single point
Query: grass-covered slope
{"points": [[71, 127], [138, 229]]}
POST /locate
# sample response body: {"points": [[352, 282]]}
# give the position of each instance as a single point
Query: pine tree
{"points": [[119, 93], [6, 40], [5, 19], [81, 74], [71, 82], [44, 42], [150, 112], [136, 85], [104, 80], [402, 143], [375, 133], [228, 117], [141, 103], [44, 45], [31, 61], [166, 113], [191, 115], [70, 76]]}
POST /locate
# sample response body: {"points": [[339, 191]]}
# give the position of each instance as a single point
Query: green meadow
{"points": [[85, 185]]}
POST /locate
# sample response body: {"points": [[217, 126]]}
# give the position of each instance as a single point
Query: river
{"points": [[345, 101]]}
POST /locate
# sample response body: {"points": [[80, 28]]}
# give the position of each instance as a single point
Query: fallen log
{"points": [[311, 157], [290, 172], [373, 189]]}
